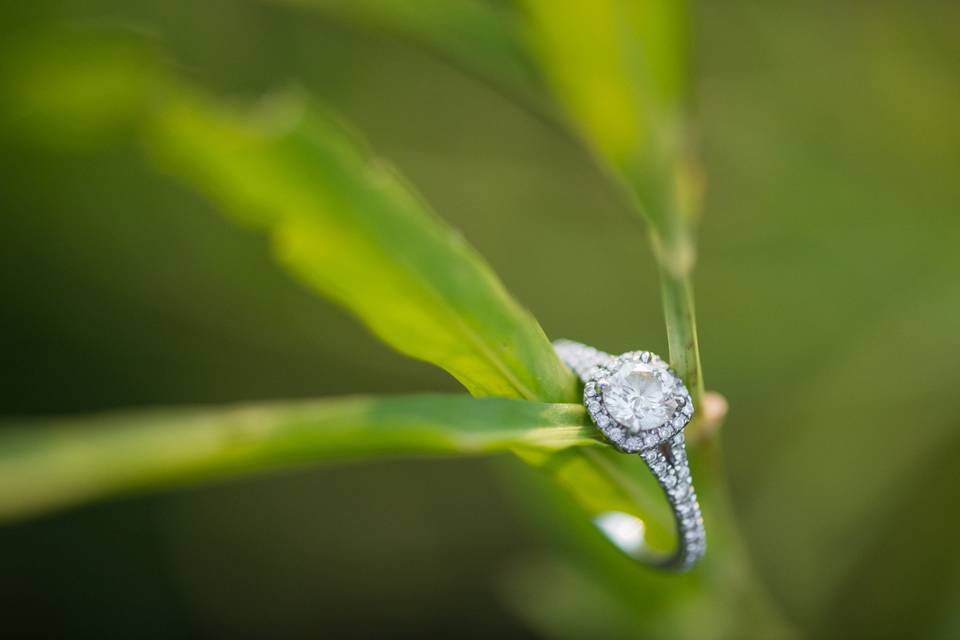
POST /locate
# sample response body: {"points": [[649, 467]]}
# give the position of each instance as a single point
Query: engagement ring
{"points": [[641, 406]]}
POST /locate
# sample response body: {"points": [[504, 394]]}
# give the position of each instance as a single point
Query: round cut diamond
{"points": [[638, 398]]}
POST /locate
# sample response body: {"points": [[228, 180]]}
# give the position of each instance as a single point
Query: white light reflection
{"points": [[623, 530]]}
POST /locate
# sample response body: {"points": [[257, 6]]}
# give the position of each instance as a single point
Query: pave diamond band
{"points": [[642, 406]]}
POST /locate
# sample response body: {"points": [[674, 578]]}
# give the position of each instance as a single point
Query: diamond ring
{"points": [[641, 406]]}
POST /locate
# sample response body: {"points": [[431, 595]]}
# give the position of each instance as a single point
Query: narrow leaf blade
{"points": [[57, 462], [345, 224]]}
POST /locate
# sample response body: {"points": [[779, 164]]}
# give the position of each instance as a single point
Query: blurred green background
{"points": [[828, 294]]}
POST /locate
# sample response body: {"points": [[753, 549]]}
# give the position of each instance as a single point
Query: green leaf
{"points": [[57, 462], [622, 81], [349, 227]]}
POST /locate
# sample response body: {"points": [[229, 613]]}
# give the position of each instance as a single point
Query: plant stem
{"points": [[680, 318]]}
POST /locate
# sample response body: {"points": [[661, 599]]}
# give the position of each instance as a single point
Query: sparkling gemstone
{"points": [[637, 398]]}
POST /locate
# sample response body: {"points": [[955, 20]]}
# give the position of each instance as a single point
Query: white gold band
{"points": [[661, 448]]}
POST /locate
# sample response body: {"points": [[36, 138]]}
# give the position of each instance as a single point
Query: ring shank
{"points": [[668, 463]]}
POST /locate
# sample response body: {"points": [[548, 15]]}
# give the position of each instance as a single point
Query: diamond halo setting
{"points": [[642, 406], [637, 401]]}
